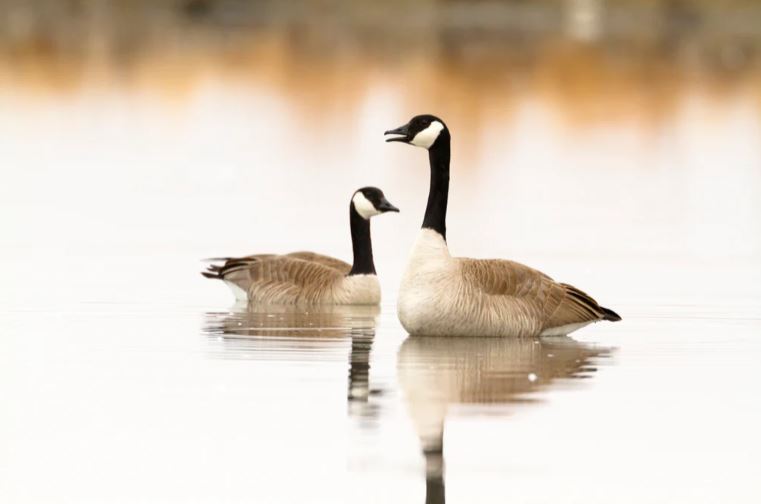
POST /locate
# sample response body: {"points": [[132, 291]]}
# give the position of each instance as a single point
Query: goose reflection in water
{"points": [[271, 332], [438, 372]]}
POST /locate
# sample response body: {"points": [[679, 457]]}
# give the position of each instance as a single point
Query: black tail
{"points": [[229, 265], [609, 314], [213, 270]]}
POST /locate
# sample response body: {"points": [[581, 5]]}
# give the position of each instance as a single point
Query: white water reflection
{"points": [[287, 333], [472, 376]]}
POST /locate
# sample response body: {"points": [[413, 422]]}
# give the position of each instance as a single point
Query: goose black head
{"points": [[370, 201], [422, 131]]}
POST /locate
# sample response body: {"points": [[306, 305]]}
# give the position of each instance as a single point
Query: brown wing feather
{"points": [[328, 261], [228, 263], [277, 279], [576, 306], [531, 292]]}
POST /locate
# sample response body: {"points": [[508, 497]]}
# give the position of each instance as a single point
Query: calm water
{"points": [[127, 377], [161, 402]]}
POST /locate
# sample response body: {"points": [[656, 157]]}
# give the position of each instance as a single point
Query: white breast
{"points": [[435, 299], [429, 285], [360, 290]]}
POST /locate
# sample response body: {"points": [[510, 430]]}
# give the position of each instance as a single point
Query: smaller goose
{"points": [[302, 278], [443, 295]]}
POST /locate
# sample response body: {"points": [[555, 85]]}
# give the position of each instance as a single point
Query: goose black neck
{"points": [[361, 244], [436, 210]]}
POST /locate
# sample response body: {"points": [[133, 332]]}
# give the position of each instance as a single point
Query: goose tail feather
{"points": [[211, 274], [609, 314]]}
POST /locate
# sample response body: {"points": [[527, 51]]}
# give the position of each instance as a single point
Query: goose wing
{"points": [[278, 279], [532, 292], [330, 262]]}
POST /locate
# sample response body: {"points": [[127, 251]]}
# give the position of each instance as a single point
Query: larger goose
{"points": [[301, 278], [443, 295]]}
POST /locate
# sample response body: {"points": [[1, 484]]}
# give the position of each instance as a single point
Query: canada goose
{"points": [[310, 278], [443, 295]]}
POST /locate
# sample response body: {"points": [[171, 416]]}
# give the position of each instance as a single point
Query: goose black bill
{"points": [[403, 131], [386, 206]]}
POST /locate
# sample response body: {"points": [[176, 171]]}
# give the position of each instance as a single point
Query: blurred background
{"points": [[626, 130], [614, 145]]}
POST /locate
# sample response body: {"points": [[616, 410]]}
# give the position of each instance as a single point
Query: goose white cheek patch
{"points": [[429, 135], [363, 206]]}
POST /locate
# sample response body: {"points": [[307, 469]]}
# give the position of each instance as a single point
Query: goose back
{"points": [[299, 278]]}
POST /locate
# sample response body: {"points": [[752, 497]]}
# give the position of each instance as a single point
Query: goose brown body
{"points": [[443, 295], [295, 279]]}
